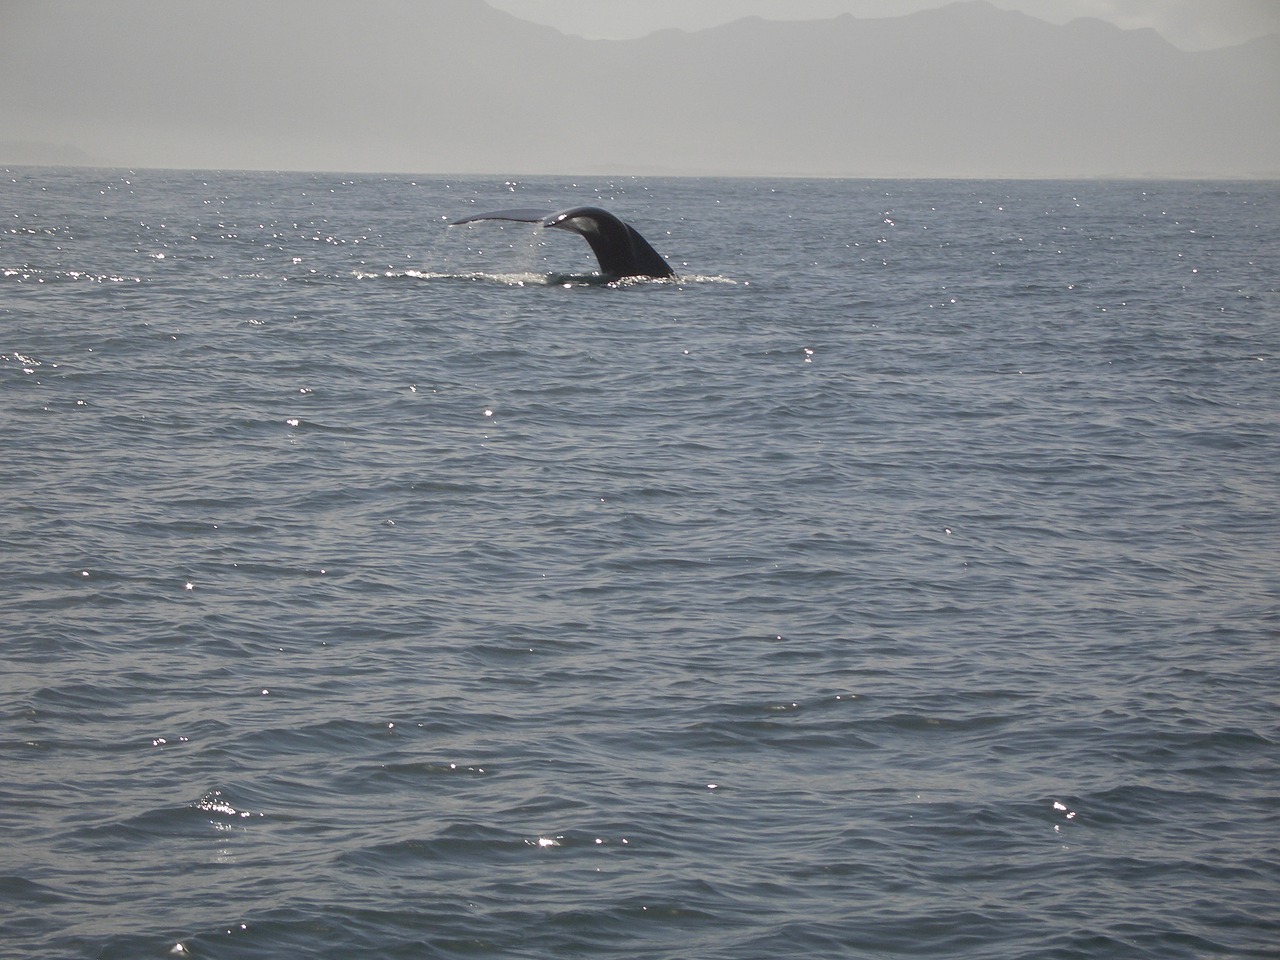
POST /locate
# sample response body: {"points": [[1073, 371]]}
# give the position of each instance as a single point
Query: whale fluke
{"points": [[618, 246]]}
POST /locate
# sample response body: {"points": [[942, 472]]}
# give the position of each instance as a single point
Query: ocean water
{"points": [[900, 581]]}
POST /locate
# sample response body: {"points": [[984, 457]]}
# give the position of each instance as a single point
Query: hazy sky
{"points": [[1189, 24], [465, 86]]}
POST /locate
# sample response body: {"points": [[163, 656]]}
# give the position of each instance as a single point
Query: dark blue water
{"points": [[902, 581]]}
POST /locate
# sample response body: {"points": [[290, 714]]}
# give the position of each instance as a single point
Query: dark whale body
{"points": [[618, 246]]}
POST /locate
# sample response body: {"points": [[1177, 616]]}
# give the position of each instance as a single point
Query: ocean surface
{"points": [[903, 580]]}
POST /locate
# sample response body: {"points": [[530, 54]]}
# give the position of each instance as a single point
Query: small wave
{"points": [[215, 802], [684, 278], [17, 889], [167, 823], [503, 279], [28, 364], [531, 279], [27, 274]]}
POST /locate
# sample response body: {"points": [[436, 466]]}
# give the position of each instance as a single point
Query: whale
{"points": [[618, 246]]}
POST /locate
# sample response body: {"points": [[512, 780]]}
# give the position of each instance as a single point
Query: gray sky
{"points": [[1189, 24], [511, 87]]}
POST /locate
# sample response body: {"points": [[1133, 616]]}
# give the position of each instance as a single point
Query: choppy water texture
{"points": [[899, 582]]}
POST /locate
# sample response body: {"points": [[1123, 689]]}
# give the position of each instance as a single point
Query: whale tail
{"points": [[619, 247]]}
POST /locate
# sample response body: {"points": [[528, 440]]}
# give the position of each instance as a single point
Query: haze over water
{"points": [[900, 581], [456, 86]]}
